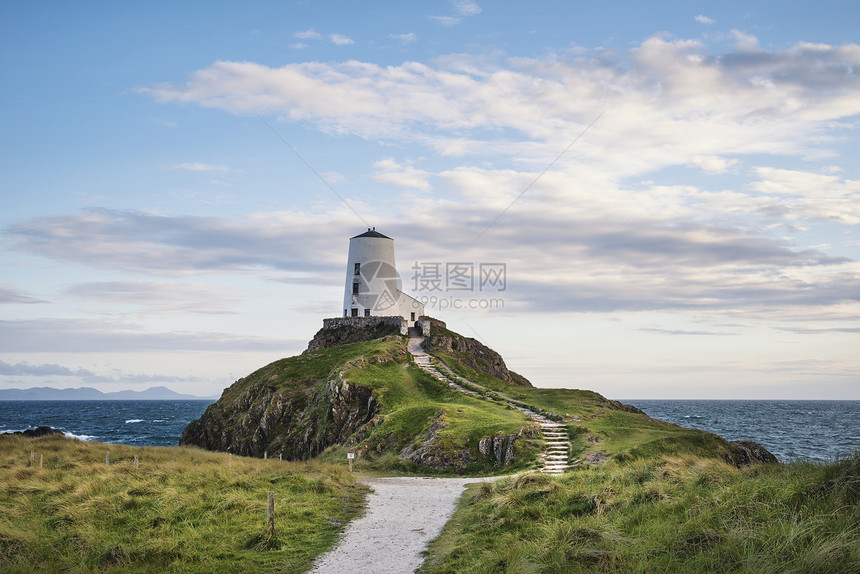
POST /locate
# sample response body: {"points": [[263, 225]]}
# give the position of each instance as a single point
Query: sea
{"points": [[139, 423], [820, 431], [809, 430]]}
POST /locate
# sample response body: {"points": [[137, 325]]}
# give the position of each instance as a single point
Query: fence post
{"points": [[270, 513], [107, 459], [32, 457], [135, 461], [41, 459], [230, 460]]}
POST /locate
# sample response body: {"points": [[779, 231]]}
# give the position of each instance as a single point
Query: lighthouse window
{"points": [[355, 312], [355, 288], [367, 312], [357, 268], [413, 316]]}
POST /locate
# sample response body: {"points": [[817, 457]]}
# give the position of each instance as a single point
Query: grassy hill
{"points": [[367, 397], [672, 514], [181, 510]]}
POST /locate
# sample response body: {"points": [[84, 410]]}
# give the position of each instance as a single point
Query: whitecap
{"points": [[78, 436], [160, 421], [134, 421]]}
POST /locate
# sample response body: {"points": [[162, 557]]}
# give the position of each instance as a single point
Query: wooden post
{"points": [[350, 456], [280, 456], [270, 513], [135, 461], [107, 459], [32, 457], [230, 460], [265, 455], [41, 459]]}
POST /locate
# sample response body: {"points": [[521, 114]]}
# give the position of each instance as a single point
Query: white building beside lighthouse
{"points": [[372, 286]]}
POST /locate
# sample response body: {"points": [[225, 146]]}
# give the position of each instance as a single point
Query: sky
{"points": [[648, 200]]}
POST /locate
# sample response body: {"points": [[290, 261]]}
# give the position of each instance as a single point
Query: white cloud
{"points": [[466, 7], [713, 164], [404, 38], [745, 41], [446, 20], [800, 194], [309, 34], [83, 336], [391, 172], [198, 166], [9, 295], [702, 19], [298, 46], [157, 297], [666, 102], [340, 40]]}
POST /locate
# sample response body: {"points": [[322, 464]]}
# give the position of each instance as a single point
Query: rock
{"points": [[433, 454], [472, 353], [746, 452], [38, 432], [297, 420], [499, 448], [337, 332]]}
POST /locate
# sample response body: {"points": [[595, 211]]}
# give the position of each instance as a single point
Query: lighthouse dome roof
{"points": [[372, 233]]}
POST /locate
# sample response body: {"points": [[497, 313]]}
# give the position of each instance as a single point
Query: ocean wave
{"points": [[78, 436], [134, 421], [160, 421]]}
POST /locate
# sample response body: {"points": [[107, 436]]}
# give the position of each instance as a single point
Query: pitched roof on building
{"points": [[372, 233]]}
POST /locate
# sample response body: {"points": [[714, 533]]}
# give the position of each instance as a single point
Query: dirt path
{"points": [[403, 515]]}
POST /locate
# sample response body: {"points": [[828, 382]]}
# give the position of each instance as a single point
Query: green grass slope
{"points": [[181, 510], [673, 514]]}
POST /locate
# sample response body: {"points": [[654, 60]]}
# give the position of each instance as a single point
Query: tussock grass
{"points": [[667, 514], [182, 510]]}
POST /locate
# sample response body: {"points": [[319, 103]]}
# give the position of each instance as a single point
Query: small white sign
{"points": [[350, 455]]}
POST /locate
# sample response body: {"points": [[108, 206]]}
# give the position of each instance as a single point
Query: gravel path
{"points": [[403, 515]]}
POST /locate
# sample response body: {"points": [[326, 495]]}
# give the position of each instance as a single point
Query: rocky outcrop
{"points": [[434, 454], [353, 330], [296, 420], [471, 353], [38, 432], [746, 452], [499, 448]]}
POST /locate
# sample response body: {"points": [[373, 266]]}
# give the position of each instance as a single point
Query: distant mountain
{"points": [[91, 394]]}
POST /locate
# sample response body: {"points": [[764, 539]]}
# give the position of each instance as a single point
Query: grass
{"points": [[668, 514], [412, 402], [597, 424], [182, 510]]}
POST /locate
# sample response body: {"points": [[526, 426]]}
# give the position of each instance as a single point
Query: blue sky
{"points": [[673, 188]]}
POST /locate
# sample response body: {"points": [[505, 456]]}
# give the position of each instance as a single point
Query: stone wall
{"points": [[423, 325], [366, 322], [343, 330]]}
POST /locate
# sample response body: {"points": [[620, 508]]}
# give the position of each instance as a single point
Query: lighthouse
{"points": [[372, 287]]}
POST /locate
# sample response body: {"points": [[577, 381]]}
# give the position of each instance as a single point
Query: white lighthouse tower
{"points": [[372, 286]]}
